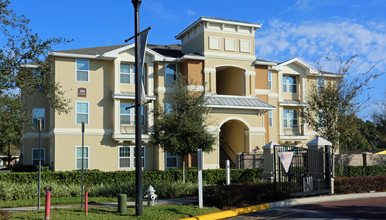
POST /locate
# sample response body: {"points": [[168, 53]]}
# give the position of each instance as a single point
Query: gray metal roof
{"points": [[237, 102]]}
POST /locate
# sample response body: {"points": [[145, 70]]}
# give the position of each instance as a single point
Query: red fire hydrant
{"points": [[86, 202], [48, 201]]}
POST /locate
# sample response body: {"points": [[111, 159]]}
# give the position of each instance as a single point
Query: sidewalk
{"points": [[285, 203], [175, 201]]}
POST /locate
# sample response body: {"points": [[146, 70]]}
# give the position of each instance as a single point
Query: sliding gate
{"points": [[300, 171]]}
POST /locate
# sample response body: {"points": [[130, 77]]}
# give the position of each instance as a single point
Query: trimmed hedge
{"points": [[352, 171], [92, 177], [238, 195], [344, 185]]}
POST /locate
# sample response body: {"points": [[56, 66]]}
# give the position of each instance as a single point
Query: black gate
{"points": [[309, 171]]}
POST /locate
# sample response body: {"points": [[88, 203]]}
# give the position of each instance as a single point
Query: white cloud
{"points": [[312, 40], [190, 12]]}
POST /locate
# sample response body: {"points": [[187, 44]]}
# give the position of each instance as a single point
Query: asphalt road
{"points": [[364, 208]]}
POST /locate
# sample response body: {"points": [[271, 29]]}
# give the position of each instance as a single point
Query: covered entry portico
{"points": [[240, 124]]}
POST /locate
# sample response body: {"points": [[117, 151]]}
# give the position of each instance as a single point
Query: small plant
{"points": [[5, 214]]}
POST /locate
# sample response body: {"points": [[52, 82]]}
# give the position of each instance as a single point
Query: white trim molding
{"points": [[195, 88]]}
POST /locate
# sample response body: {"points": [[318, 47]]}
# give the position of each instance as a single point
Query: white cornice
{"points": [[195, 88], [268, 63], [229, 56], [311, 70], [191, 57], [74, 55], [261, 91]]}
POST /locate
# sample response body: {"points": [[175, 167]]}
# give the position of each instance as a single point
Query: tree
{"points": [[12, 117], [379, 119], [21, 47], [182, 130], [332, 112]]}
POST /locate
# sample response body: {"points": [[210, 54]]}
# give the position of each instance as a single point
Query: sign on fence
{"points": [[286, 159]]}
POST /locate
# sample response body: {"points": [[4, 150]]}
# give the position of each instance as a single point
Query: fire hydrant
{"points": [[150, 196]]}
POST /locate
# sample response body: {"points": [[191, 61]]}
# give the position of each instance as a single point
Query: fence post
{"points": [[228, 173], [200, 193]]}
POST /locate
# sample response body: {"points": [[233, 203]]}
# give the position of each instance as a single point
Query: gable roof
{"points": [[298, 61]]}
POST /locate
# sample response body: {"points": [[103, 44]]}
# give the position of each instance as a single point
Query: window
{"points": [[171, 160], [35, 156], [289, 84], [78, 158], [124, 157], [321, 119], [168, 107], [270, 118], [269, 80], [125, 114], [81, 112], [82, 70], [320, 84], [170, 73], [38, 113], [142, 76], [143, 118], [125, 73], [290, 117], [143, 156]]}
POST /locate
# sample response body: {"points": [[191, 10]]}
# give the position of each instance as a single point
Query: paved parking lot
{"points": [[360, 208]]}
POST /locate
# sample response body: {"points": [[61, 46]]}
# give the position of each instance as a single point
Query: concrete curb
{"points": [[289, 202]]}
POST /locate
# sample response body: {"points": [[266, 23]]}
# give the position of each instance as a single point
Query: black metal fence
{"points": [[309, 171]]}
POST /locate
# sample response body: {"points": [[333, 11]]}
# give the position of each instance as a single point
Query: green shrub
{"points": [[29, 168], [15, 191], [92, 177], [352, 171], [238, 195], [344, 185]]}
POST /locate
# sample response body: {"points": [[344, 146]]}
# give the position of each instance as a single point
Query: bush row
{"points": [[252, 194], [12, 191], [344, 185], [238, 195], [361, 171], [210, 177]]}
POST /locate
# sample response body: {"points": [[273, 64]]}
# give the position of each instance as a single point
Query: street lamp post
{"points": [[138, 146]]}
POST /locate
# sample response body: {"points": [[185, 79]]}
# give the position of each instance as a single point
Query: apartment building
{"points": [[251, 101]]}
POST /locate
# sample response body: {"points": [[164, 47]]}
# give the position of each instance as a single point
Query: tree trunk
{"points": [[183, 169]]}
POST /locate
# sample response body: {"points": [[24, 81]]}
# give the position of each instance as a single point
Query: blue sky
{"points": [[309, 29]]}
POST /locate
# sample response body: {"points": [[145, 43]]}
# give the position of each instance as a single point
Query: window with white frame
{"points": [[124, 157], [171, 160], [142, 75], [270, 118], [78, 158], [168, 107], [170, 73], [290, 118], [143, 118], [269, 80], [289, 84], [39, 113], [125, 115], [125, 73], [82, 70], [321, 119], [320, 84], [82, 112], [35, 156], [143, 156]]}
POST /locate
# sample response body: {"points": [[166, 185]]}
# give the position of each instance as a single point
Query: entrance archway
{"points": [[233, 138]]}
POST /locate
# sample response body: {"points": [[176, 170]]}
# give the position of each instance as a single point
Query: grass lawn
{"points": [[55, 201], [155, 212]]}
